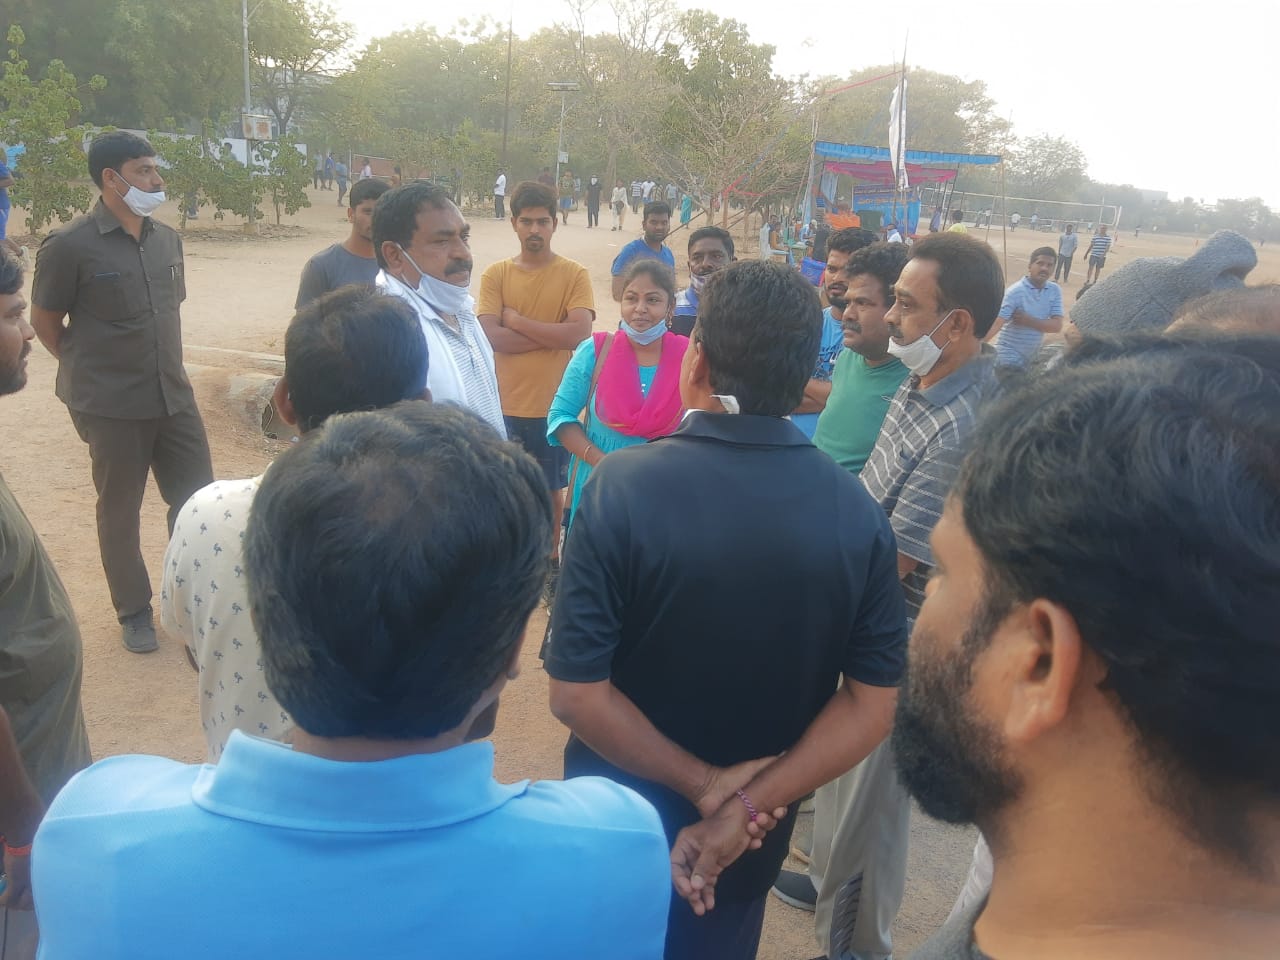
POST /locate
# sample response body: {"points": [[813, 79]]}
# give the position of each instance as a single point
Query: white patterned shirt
{"points": [[204, 600]]}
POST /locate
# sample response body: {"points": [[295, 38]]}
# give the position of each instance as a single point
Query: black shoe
{"points": [[796, 889]]}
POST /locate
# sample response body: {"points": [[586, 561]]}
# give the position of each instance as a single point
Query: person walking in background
{"points": [[328, 170], [342, 173], [935, 222], [594, 189], [1099, 246], [566, 196], [317, 173], [353, 260], [686, 209], [1067, 244], [627, 382], [499, 195], [366, 170], [106, 302], [618, 205], [637, 195]]}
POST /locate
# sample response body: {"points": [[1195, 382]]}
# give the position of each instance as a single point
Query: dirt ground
{"points": [[240, 298]]}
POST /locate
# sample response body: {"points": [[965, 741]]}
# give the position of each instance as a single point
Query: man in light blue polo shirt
{"points": [[393, 559], [656, 226], [1031, 308]]}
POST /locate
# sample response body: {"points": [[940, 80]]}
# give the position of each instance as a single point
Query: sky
{"points": [[1175, 96]]}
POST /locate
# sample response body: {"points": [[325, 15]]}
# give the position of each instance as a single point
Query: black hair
{"points": [[713, 233], [1139, 488], [10, 273], [657, 271], [395, 218], [1043, 252], [881, 260], [531, 195], [957, 214], [365, 190], [112, 150], [969, 276], [393, 558], [760, 324], [851, 239], [353, 349], [656, 208]]}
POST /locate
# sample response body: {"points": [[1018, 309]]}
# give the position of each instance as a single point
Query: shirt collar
{"points": [[745, 429], [956, 382], [262, 781], [108, 221]]}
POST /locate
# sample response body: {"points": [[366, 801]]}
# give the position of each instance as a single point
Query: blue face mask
{"points": [[643, 338]]}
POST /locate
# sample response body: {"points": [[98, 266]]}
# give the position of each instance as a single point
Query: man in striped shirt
{"points": [[945, 301], [1098, 249]]}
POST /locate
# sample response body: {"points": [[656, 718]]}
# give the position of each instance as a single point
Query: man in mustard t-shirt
{"points": [[535, 308]]}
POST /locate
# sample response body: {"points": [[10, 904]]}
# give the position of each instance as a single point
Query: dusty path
{"points": [[241, 294]]}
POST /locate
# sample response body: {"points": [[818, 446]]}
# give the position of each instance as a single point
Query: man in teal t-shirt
{"points": [[865, 377]]}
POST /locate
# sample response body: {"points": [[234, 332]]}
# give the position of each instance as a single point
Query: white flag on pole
{"points": [[897, 134]]}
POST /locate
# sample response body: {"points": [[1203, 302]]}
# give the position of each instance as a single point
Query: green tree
{"points": [[40, 115], [1046, 167], [286, 175], [192, 168], [295, 45]]}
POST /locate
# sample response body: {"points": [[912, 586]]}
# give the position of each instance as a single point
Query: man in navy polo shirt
{"points": [[388, 631], [724, 668], [656, 226]]}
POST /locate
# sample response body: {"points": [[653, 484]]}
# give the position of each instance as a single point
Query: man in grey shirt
{"points": [[352, 260], [1067, 244]]}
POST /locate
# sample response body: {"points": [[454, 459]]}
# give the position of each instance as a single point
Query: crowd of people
{"points": [[739, 506]]}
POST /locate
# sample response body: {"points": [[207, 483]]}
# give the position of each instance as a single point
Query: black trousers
{"points": [[593, 215], [498, 201], [729, 932], [176, 450]]}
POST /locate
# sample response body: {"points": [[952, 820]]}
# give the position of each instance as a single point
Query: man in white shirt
{"points": [[423, 247], [500, 195], [350, 350]]}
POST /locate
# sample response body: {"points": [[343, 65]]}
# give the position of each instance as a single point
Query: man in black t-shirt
{"points": [[690, 647]]}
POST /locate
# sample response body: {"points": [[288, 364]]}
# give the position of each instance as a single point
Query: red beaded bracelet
{"points": [[751, 807], [15, 851]]}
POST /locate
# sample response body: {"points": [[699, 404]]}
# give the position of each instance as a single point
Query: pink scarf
{"points": [[620, 403]]}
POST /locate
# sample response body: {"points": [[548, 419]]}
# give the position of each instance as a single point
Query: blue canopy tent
{"points": [[872, 171]]}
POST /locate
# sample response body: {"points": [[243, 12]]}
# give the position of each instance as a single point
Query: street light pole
{"points": [[244, 29], [565, 87]]}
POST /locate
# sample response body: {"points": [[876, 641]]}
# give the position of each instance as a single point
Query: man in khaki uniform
{"points": [[105, 302]]}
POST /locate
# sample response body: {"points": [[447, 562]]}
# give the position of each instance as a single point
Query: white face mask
{"points": [[448, 298], [921, 355], [139, 201], [697, 282], [643, 338]]}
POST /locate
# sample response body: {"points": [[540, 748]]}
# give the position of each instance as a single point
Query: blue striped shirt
{"points": [[1099, 246]]}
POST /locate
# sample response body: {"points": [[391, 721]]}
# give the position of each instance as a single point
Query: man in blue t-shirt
{"points": [[386, 801], [656, 225], [1031, 308]]}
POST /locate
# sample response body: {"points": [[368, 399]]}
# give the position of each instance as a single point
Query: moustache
{"points": [[458, 266]]}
